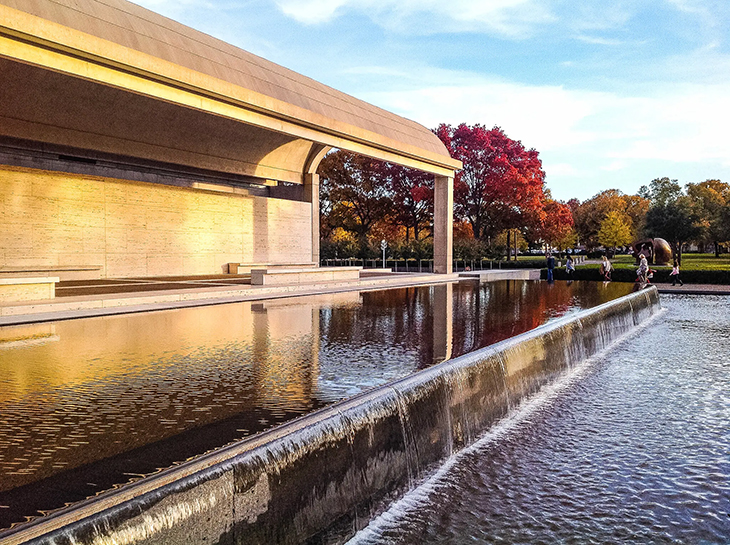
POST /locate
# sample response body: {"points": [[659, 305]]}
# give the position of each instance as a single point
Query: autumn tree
{"points": [[508, 239], [557, 224], [615, 231], [501, 183], [353, 195], [589, 215], [411, 191], [635, 208]]}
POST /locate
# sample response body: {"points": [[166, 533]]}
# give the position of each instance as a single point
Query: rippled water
{"points": [[636, 450], [86, 405]]}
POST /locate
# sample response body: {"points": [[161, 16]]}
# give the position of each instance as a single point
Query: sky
{"points": [[612, 94]]}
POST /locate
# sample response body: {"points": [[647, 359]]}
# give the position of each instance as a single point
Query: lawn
{"points": [[690, 262], [696, 269]]}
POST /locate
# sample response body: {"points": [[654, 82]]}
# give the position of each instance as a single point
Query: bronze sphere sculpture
{"points": [[656, 250]]}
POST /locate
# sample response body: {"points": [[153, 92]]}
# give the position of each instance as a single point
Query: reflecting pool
{"points": [[90, 404], [635, 450]]}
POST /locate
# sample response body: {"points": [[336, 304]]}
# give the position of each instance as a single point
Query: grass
{"points": [[690, 262], [696, 269]]}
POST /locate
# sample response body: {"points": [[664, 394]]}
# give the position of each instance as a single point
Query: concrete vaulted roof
{"points": [[121, 46]]}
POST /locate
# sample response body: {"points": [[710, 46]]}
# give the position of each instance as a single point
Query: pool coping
{"points": [[68, 308]]}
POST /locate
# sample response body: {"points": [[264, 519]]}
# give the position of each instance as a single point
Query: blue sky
{"points": [[612, 94]]}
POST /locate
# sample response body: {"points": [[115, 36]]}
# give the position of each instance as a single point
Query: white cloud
{"points": [[580, 133], [513, 18], [615, 165], [311, 11], [564, 169], [596, 40], [591, 15]]}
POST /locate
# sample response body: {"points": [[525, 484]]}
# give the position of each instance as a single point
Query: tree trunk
{"points": [[717, 248], [509, 244], [677, 251]]}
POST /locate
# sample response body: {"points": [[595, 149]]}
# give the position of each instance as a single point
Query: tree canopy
{"points": [[711, 202], [590, 214], [615, 230], [501, 185], [352, 194]]}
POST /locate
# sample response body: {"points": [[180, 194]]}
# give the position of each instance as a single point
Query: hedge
{"points": [[628, 274]]}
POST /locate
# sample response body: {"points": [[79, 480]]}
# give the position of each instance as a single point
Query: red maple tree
{"points": [[557, 222], [501, 185]]}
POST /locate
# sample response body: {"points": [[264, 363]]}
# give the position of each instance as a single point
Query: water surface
{"points": [[637, 450], [89, 404]]}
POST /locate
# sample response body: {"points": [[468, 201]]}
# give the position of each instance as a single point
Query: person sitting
{"points": [[569, 268], [643, 270]]}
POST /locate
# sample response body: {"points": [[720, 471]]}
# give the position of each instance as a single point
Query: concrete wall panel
{"points": [[139, 229]]}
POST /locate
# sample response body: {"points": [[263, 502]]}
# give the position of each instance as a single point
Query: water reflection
{"points": [[85, 404]]}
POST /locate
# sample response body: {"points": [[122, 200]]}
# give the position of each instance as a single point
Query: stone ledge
{"points": [[27, 288], [245, 268], [266, 277]]}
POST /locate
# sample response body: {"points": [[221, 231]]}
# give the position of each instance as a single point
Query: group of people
{"points": [[643, 273], [569, 267]]}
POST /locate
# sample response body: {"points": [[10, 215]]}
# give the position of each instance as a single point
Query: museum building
{"points": [[132, 145]]}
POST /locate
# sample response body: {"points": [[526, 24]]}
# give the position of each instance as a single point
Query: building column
{"points": [[311, 193], [443, 224]]}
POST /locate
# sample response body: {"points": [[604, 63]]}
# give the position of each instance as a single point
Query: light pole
{"points": [[383, 246]]}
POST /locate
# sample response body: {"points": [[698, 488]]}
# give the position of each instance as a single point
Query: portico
{"points": [[133, 145]]}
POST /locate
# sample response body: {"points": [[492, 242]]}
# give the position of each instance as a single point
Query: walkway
{"points": [[694, 289]]}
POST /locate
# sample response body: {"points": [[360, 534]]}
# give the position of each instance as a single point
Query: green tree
{"points": [[709, 199], [676, 221], [661, 191], [615, 231]]}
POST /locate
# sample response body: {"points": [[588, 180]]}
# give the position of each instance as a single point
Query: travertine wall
{"points": [[50, 219]]}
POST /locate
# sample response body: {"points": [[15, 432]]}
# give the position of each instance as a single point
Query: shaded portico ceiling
{"points": [[111, 76]]}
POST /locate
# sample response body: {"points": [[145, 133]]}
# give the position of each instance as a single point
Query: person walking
{"points": [[550, 266], [675, 274], [606, 269]]}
